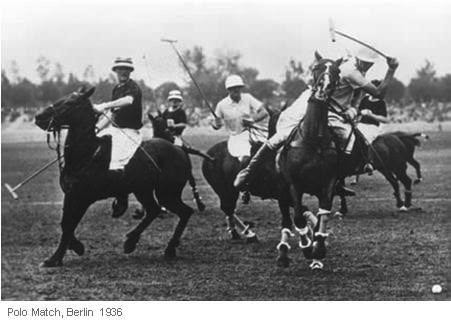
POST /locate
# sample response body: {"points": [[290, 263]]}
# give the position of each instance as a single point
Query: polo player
{"points": [[344, 102], [125, 114], [237, 112]]}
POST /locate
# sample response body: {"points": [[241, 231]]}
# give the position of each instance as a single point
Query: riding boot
{"points": [[368, 167], [120, 204], [244, 175]]}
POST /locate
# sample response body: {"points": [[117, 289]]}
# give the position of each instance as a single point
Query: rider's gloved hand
{"points": [[350, 114], [100, 108], [246, 122], [392, 63], [366, 112], [216, 123]]}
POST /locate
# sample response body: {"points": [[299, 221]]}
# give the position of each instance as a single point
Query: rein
{"points": [[56, 132]]}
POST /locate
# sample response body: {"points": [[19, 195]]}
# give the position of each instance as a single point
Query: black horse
{"points": [[390, 152], [312, 163], [161, 130], [86, 179]]}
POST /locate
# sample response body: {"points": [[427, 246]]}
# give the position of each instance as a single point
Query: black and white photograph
{"points": [[223, 151]]}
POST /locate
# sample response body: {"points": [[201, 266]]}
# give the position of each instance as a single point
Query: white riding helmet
{"points": [[175, 95], [123, 63], [234, 81], [367, 55]]}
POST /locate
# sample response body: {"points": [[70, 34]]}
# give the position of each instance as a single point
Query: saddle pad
{"points": [[239, 145]]}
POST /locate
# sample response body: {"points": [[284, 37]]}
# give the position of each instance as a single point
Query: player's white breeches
{"points": [[283, 129], [342, 129], [178, 141], [369, 131], [124, 141]]}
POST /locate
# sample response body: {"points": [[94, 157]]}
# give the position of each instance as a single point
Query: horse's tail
{"points": [[411, 140]]}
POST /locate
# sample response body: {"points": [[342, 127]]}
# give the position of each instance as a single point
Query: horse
{"points": [[312, 163], [161, 130], [266, 184], [156, 175]]}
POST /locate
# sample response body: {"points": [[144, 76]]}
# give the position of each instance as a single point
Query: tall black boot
{"points": [[244, 175], [120, 204]]}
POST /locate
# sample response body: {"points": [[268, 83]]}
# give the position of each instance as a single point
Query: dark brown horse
{"points": [[312, 163], [86, 179]]}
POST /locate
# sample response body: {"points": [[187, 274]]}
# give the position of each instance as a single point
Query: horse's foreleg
{"points": [[287, 224], [152, 210], [320, 234], [407, 182], [184, 212], [73, 211]]}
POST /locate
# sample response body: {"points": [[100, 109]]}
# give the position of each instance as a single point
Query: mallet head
{"points": [[168, 40], [11, 191], [332, 30]]}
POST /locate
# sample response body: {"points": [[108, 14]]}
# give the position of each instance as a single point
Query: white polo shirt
{"points": [[233, 112], [350, 80]]}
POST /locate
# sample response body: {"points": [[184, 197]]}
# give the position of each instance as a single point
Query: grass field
{"points": [[375, 253]]}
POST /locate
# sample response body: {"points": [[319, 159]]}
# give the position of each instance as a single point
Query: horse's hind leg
{"points": [[152, 210], [394, 183], [417, 167], [196, 196], [176, 205], [73, 210], [407, 182]]}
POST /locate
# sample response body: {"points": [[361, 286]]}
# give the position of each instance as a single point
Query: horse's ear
{"points": [[150, 116], [82, 89], [339, 61], [89, 92], [318, 57], [160, 114]]}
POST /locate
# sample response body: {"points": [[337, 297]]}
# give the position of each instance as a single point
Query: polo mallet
{"points": [[171, 42], [147, 67], [334, 32], [12, 190]]}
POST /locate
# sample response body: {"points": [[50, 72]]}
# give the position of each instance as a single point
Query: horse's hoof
{"points": [[253, 239], [340, 215], [316, 265], [169, 253], [417, 181], [235, 235], [51, 264], [283, 261], [130, 245], [307, 249], [319, 248], [77, 247], [201, 206], [138, 215], [403, 209]]}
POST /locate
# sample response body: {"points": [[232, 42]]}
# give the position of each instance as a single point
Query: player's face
{"points": [[175, 103], [235, 93], [123, 74]]}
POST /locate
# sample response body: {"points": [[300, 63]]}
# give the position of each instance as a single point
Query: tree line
{"points": [[210, 73]]}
